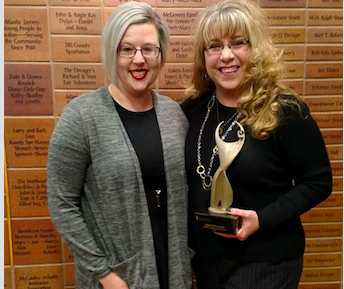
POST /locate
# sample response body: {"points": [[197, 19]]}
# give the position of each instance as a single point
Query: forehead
{"points": [[141, 32], [223, 30]]}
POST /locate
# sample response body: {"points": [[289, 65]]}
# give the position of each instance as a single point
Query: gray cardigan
{"points": [[97, 199]]}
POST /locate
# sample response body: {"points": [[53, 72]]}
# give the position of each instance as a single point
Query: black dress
{"points": [[144, 133]]}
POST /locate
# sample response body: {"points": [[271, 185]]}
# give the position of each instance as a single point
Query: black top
{"points": [[261, 177], [144, 134]]}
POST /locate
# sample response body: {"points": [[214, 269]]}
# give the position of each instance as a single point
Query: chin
{"points": [[141, 87]]}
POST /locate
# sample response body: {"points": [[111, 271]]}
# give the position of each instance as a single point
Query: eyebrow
{"points": [[144, 44], [232, 38]]}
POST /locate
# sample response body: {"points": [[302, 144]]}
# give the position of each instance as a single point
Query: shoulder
{"points": [[86, 106], [192, 104], [169, 107], [89, 103], [90, 98], [293, 109], [165, 100]]}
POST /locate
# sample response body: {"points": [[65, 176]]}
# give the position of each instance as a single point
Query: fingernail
{"points": [[229, 209]]}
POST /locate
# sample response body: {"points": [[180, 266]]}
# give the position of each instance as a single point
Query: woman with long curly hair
{"points": [[282, 169]]}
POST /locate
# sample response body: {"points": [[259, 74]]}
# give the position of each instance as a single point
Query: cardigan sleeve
{"points": [[303, 153], [68, 159]]}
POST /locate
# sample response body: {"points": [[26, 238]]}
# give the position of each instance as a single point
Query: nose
{"points": [[227, 53], [138, 57]]}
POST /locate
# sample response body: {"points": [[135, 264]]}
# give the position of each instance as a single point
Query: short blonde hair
{"points": [[262, 82], [120, 19]]}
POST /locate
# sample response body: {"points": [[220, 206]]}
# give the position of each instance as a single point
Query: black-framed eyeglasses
{"points": [[149, 51], [216, 47]]}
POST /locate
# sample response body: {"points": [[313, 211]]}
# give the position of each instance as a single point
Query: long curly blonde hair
{"points": [[262, 84]]}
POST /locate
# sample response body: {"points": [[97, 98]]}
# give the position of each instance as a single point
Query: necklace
{"points": [[207, 179]]}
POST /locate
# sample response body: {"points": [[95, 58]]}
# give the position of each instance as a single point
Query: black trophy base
{"points": [[216, 223]]}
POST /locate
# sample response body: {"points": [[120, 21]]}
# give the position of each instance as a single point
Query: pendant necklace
{"points": [[207, 179]]}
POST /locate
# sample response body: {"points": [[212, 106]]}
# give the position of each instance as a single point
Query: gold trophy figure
{"points": [[221, 198], [221, 189]]}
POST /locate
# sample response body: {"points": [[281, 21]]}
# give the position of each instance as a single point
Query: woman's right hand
{"points": [[113, 281]]}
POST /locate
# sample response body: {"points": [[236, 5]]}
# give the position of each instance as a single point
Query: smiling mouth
{"points": [[139, 74], [229, 69]]}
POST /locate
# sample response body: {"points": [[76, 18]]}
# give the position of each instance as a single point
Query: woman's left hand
{"points": [[249, 224]]}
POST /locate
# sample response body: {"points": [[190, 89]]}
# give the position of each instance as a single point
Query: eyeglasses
{"points": [[216, 47], [147, 51]]}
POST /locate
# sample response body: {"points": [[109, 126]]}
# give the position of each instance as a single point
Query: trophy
{"points": [[221, 198]]}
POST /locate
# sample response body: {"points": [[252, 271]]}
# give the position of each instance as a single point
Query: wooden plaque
{"points": [[324, 70], [332, 136], [180, 21], [323, 35], [119, 2], [287, 35], [181, 3], [337, 184], [337, 168], [331, 120], [325, 3], [62, 98], [294, 85], [75, 2], [28, 193], [334, 200], [28, 89], [78, 76], [285, 17], [180, 49], [75, 20], [323, 230], [294, 69], [39, 277], [283, 3], [324, 87], [68, 254], [325, 18], [293, 52], [106, 13], [320, 274], [319, 286], [324, 245], [76, 49], [327, 103], [26, 34], [322, 215], [7, 260], [322, 52], [35, 242], [335, 152], [26, 2], [175, 76], [8, 278], [27, 141], [322, 260], [69, 274]]}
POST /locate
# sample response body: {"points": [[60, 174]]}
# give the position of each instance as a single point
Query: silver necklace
{"points": [[207, 179]]}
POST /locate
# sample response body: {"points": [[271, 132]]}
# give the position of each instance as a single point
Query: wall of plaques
{"points": [[52, 54]]}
